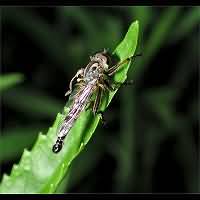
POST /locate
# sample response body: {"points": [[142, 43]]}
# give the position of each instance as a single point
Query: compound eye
{"points": [[103, 59], [98, 57]]}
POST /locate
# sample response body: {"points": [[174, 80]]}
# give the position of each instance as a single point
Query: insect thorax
{"points": [[94, 73]]}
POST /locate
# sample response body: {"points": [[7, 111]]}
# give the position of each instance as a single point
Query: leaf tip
{"points": [[135, 25]]}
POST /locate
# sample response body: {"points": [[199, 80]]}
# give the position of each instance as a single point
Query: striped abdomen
{"points": [[77, 107]]}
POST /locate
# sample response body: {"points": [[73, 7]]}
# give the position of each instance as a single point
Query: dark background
{"points": [[151, 141]]}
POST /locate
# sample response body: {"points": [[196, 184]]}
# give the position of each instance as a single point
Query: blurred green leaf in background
{"points": [[151, 141], [9, 80]]}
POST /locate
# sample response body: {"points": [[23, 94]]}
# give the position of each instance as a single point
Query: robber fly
{"points": [[91, 80]]}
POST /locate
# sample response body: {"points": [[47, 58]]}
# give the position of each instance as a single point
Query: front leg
{"points": [[79, 73], [102, 118], [125, 83], [110, 84], [114, 68]]}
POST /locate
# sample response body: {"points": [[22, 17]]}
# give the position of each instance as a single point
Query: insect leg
{"points": [[108, 85], [102, 117], [80, 72], [70, 87], [96, 106], [114, 68], [97, 100], [128, 82]]}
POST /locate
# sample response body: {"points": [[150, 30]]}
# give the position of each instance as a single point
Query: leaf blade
{"points": [[41, 171], [9, 80]]}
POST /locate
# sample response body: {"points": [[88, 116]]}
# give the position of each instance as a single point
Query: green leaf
{"points": [[9, 80], [87, 160], [32, 102], [81, 17], [156, 39], [161, 102], [187, 24], [125, 152], [144, 14], [24, 136], [39, 31], [41, 171]]}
